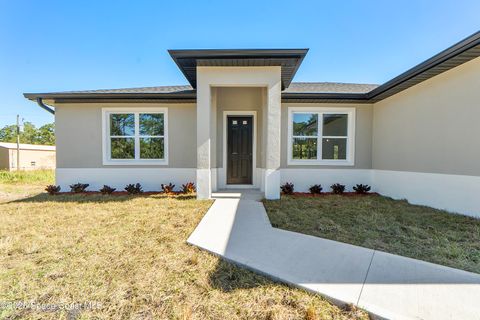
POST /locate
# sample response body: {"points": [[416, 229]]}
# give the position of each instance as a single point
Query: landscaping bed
{"points": [[323, 194], [381, 223]]}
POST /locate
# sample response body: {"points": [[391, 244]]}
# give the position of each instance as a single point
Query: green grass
{"points": [[27, 177], [129, 254], [384, 224]]}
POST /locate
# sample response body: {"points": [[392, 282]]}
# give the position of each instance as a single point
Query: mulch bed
{"points": [[323, 194], [122, 193]]}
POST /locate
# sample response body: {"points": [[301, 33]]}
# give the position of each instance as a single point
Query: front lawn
{"points": [[127, 256], [21, 184], [384, 224]]}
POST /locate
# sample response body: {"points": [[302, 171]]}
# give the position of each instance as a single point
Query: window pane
{"points": [[305, 124], [334, 149], [122, 124], [151, 124], [335, 125], [151, 148], [304, 148], [122, 148]]}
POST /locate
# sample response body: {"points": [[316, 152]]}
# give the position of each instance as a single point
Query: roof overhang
{"points": [[288, 59], [186, 97], [294, 97], [461, 52]]}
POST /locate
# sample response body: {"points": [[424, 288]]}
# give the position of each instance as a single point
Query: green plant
{"points": [[43, 177], [78, 187], [316, 189], [188, 188], [338, 188], [107, 190], [134, 188], [287, 188], [52, 189], [168, 188], [362, 188]]}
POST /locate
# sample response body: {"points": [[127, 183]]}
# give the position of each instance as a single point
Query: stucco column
{"points": [[204, 180], [273, 121]]}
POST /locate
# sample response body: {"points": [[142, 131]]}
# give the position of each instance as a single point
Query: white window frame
{"points": [[320, 111], [106, 141]]}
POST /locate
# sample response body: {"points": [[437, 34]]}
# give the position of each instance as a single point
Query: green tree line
{"points": [[30, 134]]}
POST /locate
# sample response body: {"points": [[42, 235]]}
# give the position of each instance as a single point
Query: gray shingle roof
{"points": [[295, 87], [329, 87], [159, 89]]}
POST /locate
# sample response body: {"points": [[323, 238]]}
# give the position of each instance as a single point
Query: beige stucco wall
{"points": [[4, 159], [432, 127], [78, 132], [363, 135], [43, 159], [239, 99]]}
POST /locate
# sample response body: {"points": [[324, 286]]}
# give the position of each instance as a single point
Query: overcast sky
{"points": [[74, 45]]}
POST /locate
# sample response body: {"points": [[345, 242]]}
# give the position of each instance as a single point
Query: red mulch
{"points": [[347, 194], [120, 193]]}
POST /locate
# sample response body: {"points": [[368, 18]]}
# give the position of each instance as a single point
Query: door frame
{"points": [[252, 114]]}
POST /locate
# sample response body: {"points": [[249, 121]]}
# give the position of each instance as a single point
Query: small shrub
{"points": [[188, 188], [107, 189], [168, 188], [362, 188], [338, 188], [316, 189], [52, 189], [78, 187], [134, 188], [287, 188]]}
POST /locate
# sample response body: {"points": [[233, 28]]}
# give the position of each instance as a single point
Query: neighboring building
{"points": [[32, 156], [242, 123]]}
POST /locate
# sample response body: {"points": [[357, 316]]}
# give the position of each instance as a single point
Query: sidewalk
{"points": [[237, 228]]}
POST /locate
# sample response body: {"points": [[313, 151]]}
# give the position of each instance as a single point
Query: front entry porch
{"points": [[238, 129]]}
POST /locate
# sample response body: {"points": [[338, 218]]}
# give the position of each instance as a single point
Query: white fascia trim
{"points": [[223, 174], [134, 162], [350, 161]]}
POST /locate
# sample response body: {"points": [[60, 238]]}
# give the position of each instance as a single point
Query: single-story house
{"points": [[243, 123], [31, 156]]}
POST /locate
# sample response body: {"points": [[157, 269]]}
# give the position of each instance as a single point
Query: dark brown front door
{"points": [[239, 149]]}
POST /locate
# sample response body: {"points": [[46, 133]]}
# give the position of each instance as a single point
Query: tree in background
{"points": [[30, 134], [46, 134]]}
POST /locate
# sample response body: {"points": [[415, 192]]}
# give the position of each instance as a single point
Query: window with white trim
{"points": [[321, 136], [135, 137]]}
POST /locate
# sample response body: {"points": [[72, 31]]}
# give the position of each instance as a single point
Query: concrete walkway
{"points": [[237, 228]]}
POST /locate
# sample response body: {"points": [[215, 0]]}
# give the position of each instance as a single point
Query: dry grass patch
{"points": [[128, 253], [384, 224], [22, 184]]}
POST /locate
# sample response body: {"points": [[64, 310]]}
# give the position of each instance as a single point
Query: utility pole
{"points": [[18, 142]]}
